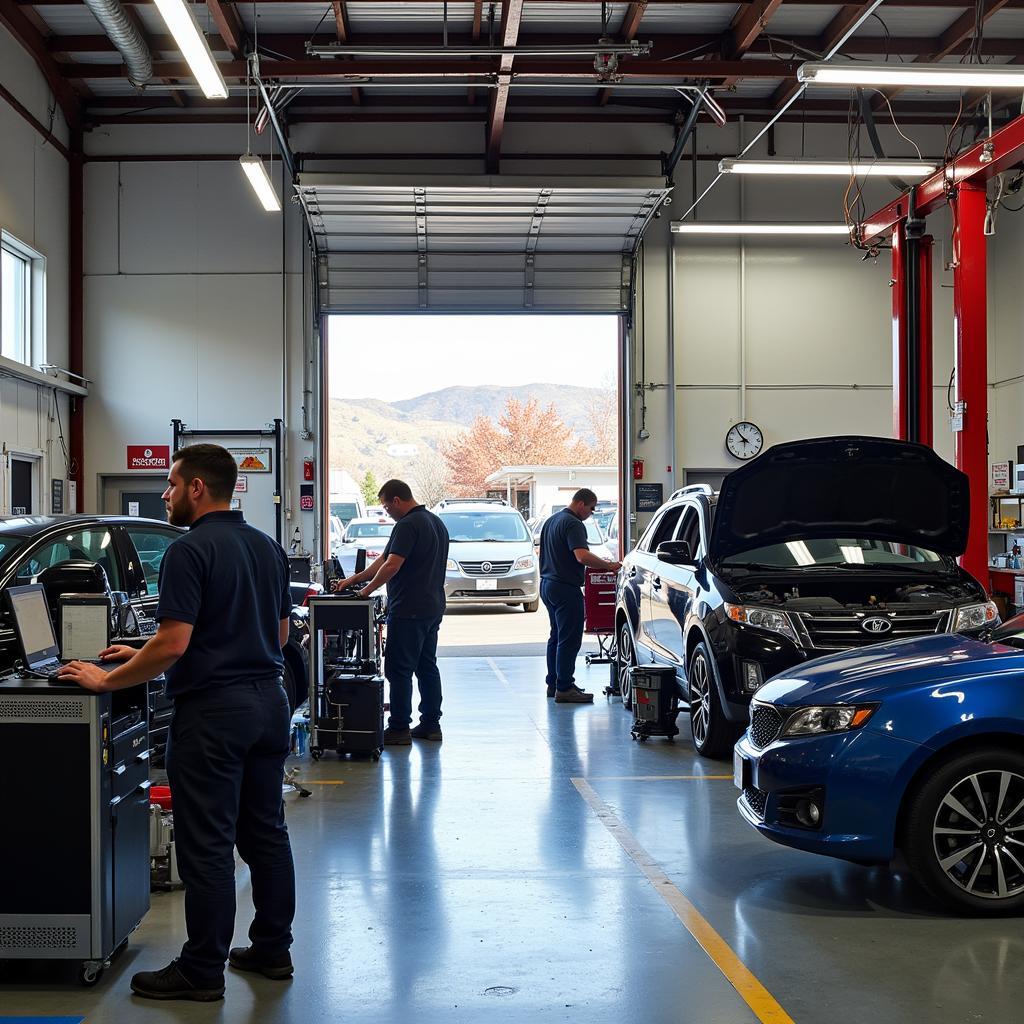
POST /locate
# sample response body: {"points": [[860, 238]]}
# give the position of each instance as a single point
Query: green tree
{"points": [[370, 488]]}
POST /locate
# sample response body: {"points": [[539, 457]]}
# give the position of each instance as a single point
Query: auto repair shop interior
{"points": [[798, 795]]}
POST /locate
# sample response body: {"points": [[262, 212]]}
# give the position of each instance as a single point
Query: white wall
{"points": [[34, 208]]}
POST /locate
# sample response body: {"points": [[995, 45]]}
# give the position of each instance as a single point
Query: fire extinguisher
{"points": [[638, 469], [307, 469]]}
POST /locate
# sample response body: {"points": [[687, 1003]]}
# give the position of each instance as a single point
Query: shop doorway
{"points": [[134, 495]]}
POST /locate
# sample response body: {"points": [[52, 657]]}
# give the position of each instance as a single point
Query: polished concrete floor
{"points": [[487, 879]]}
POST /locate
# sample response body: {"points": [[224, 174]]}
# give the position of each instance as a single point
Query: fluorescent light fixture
{"points": [[943, 76], [182, 25], [261, 183], [836, 168], [696, 227]]}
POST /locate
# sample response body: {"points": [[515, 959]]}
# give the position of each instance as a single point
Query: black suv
{"points": [[815, 547], [63, 553]]}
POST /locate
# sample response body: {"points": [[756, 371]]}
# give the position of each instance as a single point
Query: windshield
{"points": [[9, 544], [470, 527], [594, 534], [360, 531], [842, 553], [1010, 633]]}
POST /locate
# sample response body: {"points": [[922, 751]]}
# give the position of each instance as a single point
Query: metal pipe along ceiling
{"points": [[114, 19]]}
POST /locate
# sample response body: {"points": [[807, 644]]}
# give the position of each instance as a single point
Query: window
{"points": [[481, 527], [661, 529], [151, 545], [22, 288], [689, 530], [92, 544]]}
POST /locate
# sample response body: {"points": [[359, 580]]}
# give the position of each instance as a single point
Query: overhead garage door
{"points": [[465, 245]]}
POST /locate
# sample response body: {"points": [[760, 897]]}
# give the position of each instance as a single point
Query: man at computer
{"points": [[223, 617]]}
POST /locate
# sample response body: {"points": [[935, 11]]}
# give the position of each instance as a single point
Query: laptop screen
{"points": [[32, 622]]}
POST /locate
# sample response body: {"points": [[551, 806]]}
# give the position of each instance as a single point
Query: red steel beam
{"points": [[970, 328], [1007, 150], [229, 25], [951, 4], [511, 17], [342, 32], [630, 26]]}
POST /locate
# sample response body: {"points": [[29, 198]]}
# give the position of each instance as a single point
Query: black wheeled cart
{"points": [[346, 705], [74, 866], [655, 701]]}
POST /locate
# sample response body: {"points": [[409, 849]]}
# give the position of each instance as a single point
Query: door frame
{"points": [[141, 474], [35, 458]]}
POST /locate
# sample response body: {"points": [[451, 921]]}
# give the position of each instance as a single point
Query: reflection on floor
{"points": [[470, 881]]}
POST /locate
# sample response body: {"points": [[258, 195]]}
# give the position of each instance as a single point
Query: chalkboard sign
{"points": [[649, 497]]}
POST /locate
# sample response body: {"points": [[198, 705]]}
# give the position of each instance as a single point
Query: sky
{"points": [[397, 357]]}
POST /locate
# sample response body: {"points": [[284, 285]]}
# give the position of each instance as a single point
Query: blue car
{"points": [[915, 745]]}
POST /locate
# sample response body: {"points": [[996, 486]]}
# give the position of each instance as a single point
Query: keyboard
{"points": [[46, 669]]}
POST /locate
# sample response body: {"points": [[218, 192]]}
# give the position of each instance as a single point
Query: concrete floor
{"points": [[471, 879]]}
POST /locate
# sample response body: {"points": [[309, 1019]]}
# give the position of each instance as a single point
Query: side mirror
{"points": [[675, 552]]}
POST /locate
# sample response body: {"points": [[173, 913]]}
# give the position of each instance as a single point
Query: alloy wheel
{"points": [[625, 662], [700, 700], [978, 834]]}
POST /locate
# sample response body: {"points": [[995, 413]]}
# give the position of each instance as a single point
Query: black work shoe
{"points": [[426, 732], [397, 737], [574, 696], [277, 967], [552, 690], [170, 983]]}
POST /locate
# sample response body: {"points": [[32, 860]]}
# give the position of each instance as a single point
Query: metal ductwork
{"points": [[116, 22]]}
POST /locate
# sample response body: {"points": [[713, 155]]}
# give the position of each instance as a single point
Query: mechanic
{"points": [[564, 554], [223, 612], [413, 565]]}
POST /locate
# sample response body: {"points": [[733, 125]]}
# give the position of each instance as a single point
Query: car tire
{"points": [[989, 786], [625, 654], [531, 606], [713, 734]]}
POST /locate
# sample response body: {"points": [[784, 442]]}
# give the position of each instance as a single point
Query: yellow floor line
{"points": [[750, 990]]}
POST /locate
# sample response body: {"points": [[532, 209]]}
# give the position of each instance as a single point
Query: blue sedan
{"points": [[915, 745]]}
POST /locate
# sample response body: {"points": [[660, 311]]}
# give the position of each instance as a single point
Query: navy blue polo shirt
{"points": [[416, 591], [230, 582], [560, 536]]}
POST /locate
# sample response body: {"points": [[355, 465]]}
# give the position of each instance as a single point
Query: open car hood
{"points": [[867, 487]]}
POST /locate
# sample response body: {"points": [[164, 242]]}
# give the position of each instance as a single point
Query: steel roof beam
{"points": [[630, 26], [511, 17], [229, 25]]}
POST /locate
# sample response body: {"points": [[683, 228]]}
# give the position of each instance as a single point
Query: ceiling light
{"points": [[261, 183], [182, 25], [696, 227], [838, 168], [946, 76]]}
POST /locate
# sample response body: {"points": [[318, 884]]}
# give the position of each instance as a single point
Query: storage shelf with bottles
{"points": [[1005, 530]]}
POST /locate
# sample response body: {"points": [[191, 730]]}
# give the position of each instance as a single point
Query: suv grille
{"points": [[757, 800], [765, 725], [840, 632], [480, 568]]}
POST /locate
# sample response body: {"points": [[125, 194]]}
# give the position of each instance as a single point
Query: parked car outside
{"points": [[596, 539], [491, 559], [605, 513], [814, 547], [370, 533], [916, 745], [337, 532]]}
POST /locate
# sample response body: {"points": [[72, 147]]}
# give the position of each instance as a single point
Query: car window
{"points": [[359, 531], [595, 537], [152, 545], [689, 530], [662, 529], [91, 543], [470, 527]]}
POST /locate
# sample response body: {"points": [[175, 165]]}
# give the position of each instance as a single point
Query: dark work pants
{"points": [[225, 764], [412, 648], [564, 602]]}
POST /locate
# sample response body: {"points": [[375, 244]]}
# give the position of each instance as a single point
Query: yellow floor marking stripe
{"points": [[750, 990]]}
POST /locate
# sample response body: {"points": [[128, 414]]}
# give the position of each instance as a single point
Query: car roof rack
{"points": [[692, 489], [472, 501]]}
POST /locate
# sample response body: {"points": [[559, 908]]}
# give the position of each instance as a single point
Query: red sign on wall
{"points": [[149, 456]]}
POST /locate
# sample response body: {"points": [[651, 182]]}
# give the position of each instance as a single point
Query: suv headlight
{"points": [[975, 616], [763, 618], [526, 562], [835, 718], [450, 566]]}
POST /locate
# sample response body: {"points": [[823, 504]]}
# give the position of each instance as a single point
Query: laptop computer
{"points": [[34, 628]]}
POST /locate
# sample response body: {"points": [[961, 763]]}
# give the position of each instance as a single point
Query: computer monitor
{"points": [[32, 623]]}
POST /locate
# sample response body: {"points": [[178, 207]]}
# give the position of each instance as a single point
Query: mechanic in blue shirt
{"points": [[413, 566], [223, 612], [564, 554]]}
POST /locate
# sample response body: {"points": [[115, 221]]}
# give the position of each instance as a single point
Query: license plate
{"points": [[486, 584], [740, 770]]}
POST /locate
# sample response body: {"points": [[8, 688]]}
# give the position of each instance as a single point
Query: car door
{"points": [[146, 545], [672, 590], [645, 567]]}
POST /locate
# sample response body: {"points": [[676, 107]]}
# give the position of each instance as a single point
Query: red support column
{"points": [[970, 327], [900, 382], [925, 423]]}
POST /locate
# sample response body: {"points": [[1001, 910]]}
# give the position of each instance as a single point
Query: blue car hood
{"points": [[870, 674]]}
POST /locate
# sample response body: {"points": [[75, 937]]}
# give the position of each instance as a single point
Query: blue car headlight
{"points": [[815, 721], [763, 618], [975, 616]]}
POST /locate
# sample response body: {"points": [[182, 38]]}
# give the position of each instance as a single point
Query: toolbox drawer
{"points": [[130, 745], [126, 777]]}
